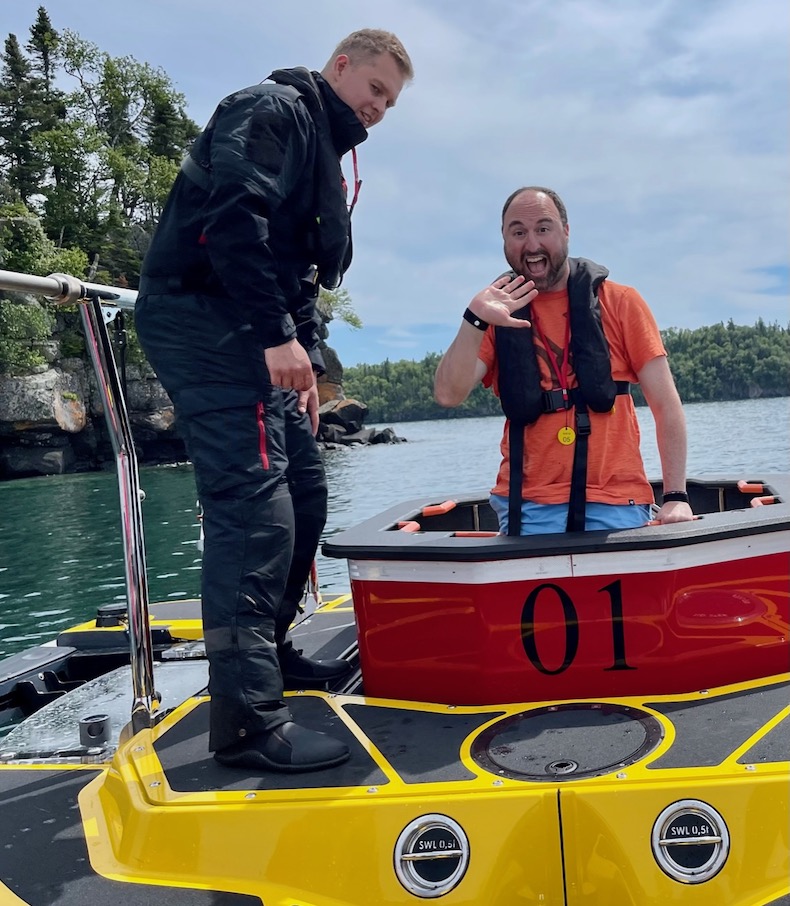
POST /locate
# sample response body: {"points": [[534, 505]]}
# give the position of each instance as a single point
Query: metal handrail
{"points": [[67, 290], [64, 289]]}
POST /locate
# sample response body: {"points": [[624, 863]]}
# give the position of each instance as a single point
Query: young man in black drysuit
{"points": [[256, 220]]}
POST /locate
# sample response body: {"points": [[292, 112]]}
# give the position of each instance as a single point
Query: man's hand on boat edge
{"points": [[673, 511]]}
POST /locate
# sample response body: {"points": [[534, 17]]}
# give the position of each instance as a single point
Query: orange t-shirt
{"points": [[615, 471]]}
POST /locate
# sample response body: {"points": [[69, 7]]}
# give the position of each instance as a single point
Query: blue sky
{"points": [[663, 125]]}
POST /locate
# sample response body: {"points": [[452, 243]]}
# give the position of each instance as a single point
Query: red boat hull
{"points": [[560, 633]]}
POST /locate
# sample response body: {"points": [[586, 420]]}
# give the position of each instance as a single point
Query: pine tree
{"points": [[21, 163], [44, 49]]}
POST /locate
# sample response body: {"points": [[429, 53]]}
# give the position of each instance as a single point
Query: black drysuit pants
{"points": [[263, 490]]}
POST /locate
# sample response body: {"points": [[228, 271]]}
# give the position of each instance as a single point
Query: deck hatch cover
{"points": [[567, 742]]}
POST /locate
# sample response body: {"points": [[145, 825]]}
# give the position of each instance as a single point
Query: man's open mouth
{"points": [[536, 265]]}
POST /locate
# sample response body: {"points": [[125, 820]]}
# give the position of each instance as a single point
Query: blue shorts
{"points": [[544, 518]]}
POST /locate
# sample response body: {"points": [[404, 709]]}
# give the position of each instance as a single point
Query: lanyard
{"points": [[357, 183], [561, 371]]}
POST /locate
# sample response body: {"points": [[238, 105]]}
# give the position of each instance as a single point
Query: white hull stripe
{"points": [[602, 563]]}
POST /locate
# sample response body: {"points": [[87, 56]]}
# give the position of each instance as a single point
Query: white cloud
{"points": [[663, 125]]}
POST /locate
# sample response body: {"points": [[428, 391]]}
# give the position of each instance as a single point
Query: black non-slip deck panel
{"points": [[422, 746], [189, 768], [773, 747], [185, 609], [709, 730], [44, 856], [326, 634]]}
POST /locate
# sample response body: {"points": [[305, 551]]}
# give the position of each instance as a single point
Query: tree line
{"points": [[718, 362], [90, 145]]}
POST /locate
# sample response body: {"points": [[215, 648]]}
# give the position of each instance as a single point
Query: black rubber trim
{"points": [[44, 856], [111, 639], [421, 746], [190, 768], [709, 730]]}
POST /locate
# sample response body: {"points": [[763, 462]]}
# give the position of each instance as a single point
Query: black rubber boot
{"points": [[301, 672], [287, 748]]}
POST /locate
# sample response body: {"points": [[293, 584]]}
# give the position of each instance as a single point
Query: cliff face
{"points": [[51, 421]]}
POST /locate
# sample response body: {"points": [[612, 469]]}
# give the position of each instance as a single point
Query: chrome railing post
{"points": [[116, 415], [64, 289]]}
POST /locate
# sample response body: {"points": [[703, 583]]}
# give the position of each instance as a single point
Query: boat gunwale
{"points": [[377, 538]]}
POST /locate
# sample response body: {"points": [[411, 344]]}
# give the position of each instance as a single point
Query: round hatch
{"points": [[567, 742]]}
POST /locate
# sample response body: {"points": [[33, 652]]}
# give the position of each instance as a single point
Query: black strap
{"points": [[121, 338], [577, 503], [556, 400], [197, 174], [516, 445], [178, 284]]}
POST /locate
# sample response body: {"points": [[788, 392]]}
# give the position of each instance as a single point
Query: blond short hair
{"points": [[361, 46]]}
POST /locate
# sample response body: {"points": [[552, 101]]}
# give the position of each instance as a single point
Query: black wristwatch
{"points": [[682, 496]]}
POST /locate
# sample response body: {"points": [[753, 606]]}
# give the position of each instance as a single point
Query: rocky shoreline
{"points": [[52, 423]]}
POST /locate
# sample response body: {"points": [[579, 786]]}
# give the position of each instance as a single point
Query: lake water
{"points": [[61, 554]]}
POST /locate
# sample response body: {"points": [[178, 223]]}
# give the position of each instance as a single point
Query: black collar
{"points": [[347, 131]]}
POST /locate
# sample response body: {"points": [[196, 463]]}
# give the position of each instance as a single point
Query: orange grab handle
{"points": [[761, 501], [475, 534], [750, 487], [409, 526], [439, 508]]}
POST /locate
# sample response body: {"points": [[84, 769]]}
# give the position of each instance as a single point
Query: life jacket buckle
{"points": [[556, 400]]}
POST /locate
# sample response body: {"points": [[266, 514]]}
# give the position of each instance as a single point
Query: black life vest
{"points": [[523, 399], [520, 393]]}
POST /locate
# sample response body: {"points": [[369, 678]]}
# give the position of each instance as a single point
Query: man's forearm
{"points": [[671, 440], [460, 369]]}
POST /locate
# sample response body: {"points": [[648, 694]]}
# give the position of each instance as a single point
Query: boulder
{"points": [[349, 414], [25, 462], [385, 436]]}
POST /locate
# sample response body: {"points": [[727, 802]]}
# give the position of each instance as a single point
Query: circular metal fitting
{"points": [[564, 766], [431, 855], [94, 730], [690, 841]]}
